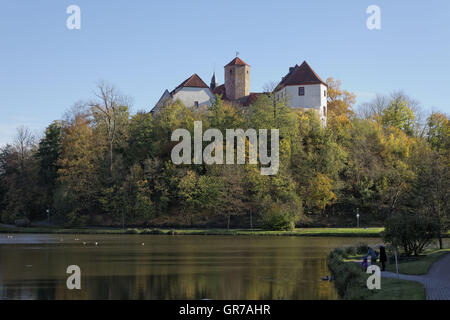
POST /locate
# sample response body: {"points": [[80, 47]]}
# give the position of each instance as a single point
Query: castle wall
{"points": [[189, 95]]}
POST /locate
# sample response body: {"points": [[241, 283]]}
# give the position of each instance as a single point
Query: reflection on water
{"points": [[167, 267]]}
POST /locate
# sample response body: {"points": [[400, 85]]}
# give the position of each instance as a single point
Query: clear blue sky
{"points": [[144, 47]]}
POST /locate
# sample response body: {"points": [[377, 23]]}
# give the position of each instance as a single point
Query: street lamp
{"points": [[48, 215], [357, 217]]}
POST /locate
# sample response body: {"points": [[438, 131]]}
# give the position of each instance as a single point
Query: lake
{"points": [[168, 267]]}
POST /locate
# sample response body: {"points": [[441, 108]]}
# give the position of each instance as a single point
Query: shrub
{"points": [[362, 248], [152, 231], [277, 220], [349, 280], [76, 219], [281, 216], [350, 251], [24, 222], [410, 232]]}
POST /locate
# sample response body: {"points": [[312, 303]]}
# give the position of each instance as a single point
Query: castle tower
{"points": [[237, 79]]}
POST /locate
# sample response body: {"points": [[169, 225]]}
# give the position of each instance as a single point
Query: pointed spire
{"points": [[214, 83]]}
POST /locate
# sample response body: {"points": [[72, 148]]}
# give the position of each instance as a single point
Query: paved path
{"points": [[436, 281]]}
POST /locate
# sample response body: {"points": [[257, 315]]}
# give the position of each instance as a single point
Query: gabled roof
{"points": [[193, 81], [236, 62], [298, 75]]}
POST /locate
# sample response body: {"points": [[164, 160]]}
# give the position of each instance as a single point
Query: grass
{"points": [[322, 232], [350, 281], [419, 266], [393, 289]]}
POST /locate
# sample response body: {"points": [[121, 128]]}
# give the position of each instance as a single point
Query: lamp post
{"points": [[357, 217]]}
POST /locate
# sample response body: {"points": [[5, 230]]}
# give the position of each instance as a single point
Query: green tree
{"points": [[49, 153], [399, 115]]}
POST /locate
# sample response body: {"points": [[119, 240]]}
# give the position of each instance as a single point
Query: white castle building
{"points": [[300, 88]]}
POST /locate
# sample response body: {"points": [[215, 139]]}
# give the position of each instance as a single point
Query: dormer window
{"points": [[301, 91]]}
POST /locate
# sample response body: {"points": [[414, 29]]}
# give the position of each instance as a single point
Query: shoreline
{"points": [[300, 232]]}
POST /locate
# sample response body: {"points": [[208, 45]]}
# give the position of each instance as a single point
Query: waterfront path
{"points": [[436, 281]]}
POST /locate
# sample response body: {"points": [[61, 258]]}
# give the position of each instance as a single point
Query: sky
{"points": [[145, 47]]}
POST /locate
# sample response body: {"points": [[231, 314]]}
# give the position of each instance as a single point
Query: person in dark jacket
{"points": [[373, 256], [383, 257]]}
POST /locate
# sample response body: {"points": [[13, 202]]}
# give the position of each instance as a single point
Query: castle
{"points": [[301, 88]]}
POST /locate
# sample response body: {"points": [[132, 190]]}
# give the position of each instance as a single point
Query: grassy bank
{"points": [[417, 265], [322, 232], [350, 281]]}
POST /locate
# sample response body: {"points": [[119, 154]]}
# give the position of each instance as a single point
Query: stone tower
{"points": [[237, 79]]}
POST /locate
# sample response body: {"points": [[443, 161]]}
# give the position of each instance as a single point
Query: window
{"points": [[325, 93], [324, 111], [196, 104], [301, 91]]}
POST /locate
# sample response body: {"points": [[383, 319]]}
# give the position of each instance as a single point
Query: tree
{"points": [[49, 153], [22, 197], [438, 132], [430, 189], [339, 101], [270, 86], [411, 232], [142, 142], [321, 194], [399, 115], [189, 193], [78, 175], [110, 111]]}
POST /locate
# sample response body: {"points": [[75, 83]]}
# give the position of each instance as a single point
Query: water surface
{"points": [[168, 267]]}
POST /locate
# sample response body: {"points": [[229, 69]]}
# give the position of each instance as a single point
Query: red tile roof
{"points": [[298, 75], [244, 101], [236, 62], [193, 81], [251, 98], [220, 90]]}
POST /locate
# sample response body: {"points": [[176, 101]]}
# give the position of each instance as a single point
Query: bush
{"points": [[350, 251], [152, 231], [24, 222], [410, 232], [76, 219], [349, 280], [276, 219], [281, 216], [132, 231], [362, 248]]}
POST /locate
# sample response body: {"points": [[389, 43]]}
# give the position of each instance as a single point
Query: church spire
{"points": [[214, 82]]}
